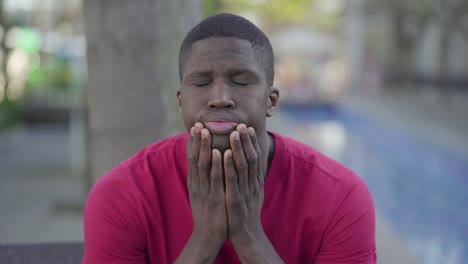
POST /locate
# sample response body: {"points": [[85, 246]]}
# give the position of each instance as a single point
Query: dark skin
{"points": [[227, 169]]}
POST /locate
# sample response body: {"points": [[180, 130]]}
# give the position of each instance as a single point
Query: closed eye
{"points": [[241, 82], [201, 83]]}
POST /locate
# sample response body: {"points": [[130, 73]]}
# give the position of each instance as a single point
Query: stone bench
{"points": [[43, 253]]}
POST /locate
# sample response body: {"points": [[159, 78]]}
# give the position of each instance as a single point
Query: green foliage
{"points": [[60, 76], [56, 75], [211, 7], [277, 12], [280, 11], [35, 78]]}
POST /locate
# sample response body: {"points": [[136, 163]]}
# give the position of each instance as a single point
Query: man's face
{"points": [[222, 86]]}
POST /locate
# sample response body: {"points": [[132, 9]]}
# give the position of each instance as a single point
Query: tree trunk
{"points": [[132, 49]]}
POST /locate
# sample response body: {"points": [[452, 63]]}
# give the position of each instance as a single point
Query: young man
{"points": [[229, 191]]}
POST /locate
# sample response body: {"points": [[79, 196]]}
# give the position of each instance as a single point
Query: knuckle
{"points": [[203, 165], [235, 200], [255, 189], [192, 159], [243, 165], [191, 185], [196, 138], [204, 142], [194, 193], [232, 176], [214, 176], [253, 157], [214, 200], [261, 180]]}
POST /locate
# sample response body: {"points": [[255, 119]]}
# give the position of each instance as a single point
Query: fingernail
{"points": [[191, 131], [251, 131], [243, 128], [200, 127], [204, 133], [236, 135]]}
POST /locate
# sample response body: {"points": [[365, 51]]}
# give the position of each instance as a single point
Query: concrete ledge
{"points": [[47, 253]]}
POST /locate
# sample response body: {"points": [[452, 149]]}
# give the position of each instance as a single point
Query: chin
{"points": [[220, 142]]}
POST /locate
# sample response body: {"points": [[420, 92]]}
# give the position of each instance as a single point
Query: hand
{"points": [[244, 198], [244, 186], [207, 199], [205, 186]]}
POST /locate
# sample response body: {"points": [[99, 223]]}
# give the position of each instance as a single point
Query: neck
{"points": [[266, 143]]}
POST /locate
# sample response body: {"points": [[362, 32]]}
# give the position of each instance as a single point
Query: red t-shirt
{"points": [[315, 210]]}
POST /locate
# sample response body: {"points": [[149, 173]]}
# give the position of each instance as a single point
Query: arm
{"points": [[207, 199], [350, 233], [112, 228], [244, 198]]}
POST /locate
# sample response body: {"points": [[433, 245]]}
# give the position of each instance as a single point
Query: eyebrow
{"points": [[204, 73], [232, 72], [242, 71]]}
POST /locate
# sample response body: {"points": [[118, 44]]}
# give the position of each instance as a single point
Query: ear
{"points": [[273, 98], [179, 100]]}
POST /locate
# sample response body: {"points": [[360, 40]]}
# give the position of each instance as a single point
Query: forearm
{"points": [[199, 251], [257, 250]]}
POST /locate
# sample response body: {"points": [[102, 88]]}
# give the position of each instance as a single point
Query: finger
{"points": [[204, 160], [232, 188], [216, 181], [252, 158], [240, 162], [254, 140], [193, 150]]}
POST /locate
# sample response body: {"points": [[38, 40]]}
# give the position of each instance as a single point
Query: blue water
{"points": [[420, 188]]}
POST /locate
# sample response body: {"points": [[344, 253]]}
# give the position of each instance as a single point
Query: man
{"points": [[229, 191]]}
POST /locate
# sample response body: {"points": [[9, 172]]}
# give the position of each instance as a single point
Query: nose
{"points": [[220, 96]]}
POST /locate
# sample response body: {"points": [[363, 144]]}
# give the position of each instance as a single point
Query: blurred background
{"points": [[381, 86]]}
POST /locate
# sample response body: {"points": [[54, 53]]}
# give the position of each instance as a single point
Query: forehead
{"points": [[221, 53]]}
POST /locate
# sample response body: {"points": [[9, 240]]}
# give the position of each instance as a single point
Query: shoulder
{"points": [[348, 215], [322, 178], [338, 195], [169, 147], [303, 156], [129, 175]]}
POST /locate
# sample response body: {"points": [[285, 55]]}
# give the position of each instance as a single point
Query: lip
{"points": [[221, 126]]}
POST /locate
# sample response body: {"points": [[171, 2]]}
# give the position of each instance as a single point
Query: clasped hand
{"points": [[225, 190]]}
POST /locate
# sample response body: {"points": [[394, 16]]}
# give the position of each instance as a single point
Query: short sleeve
{"points": [[112, 227], [350, 233]]}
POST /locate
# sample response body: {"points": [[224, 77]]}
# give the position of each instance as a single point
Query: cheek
{"points": [[190, 110], [255, 106], [261, 101], [188, 119]]}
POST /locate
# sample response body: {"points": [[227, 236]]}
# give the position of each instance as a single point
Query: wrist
{"points": [[200, 249], [247, 243], [208, 238], [255, 248]]}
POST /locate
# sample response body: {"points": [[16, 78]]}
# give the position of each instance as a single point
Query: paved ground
{"points": [[37, 181], [41, 193]]}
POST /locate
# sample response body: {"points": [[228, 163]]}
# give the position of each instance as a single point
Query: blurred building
{"points": [[419, 47], [310, 66]]}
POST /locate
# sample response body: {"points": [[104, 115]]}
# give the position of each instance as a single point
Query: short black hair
{"points": [[230, 25]]}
